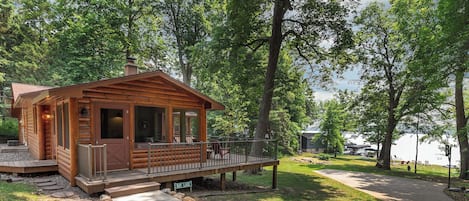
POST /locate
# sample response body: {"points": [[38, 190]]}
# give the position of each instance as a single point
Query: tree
{"points": [[185, 25], [314, 20], [331, 125], [454, 45], [390, 69]]}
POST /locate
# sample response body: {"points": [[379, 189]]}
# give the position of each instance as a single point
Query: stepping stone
{"points": [[454, 189], [42, 180], [16, 179], [52, 188], [46, 184], [64, 194]]}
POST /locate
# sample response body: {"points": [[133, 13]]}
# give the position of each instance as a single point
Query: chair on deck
{"points": [[219, 149], [189, 139], [177, 139]]}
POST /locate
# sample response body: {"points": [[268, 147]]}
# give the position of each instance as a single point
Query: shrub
{"points": [[9, 127], [324, 157]]}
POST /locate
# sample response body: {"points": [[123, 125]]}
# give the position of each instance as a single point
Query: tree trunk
{"points": [[385, 155], [275, 43], [128, 52], [461, 124]]}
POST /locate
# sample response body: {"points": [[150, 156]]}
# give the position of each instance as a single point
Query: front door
{"points": [[112, 129]]}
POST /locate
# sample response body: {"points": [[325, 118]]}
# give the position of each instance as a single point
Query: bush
{"points": [[9, 127], [324, 157]]}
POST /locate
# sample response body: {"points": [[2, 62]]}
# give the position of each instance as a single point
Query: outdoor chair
{"points": [[219, 149], [189, 139]]}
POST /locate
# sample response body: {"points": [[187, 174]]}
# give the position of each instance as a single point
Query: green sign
{"points": [[185, 184]]}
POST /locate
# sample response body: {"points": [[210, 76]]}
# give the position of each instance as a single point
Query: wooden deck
{"points": [[31, 166], [170, 174]]}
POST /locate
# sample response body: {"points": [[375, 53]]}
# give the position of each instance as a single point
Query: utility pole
{"points": [[417, 144]]}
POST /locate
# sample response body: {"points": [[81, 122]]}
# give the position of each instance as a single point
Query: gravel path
{"points": [[388, 187], [58, 179]]}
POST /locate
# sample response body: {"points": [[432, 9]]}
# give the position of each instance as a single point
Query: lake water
{"points": [[404, 149]]}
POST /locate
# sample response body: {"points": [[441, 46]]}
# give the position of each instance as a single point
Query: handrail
{"points": [[166, 157], [92, 161]]}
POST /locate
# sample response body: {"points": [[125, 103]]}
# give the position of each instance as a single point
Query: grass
{"points": [[296, 182], [360, 164], [18, 192]]}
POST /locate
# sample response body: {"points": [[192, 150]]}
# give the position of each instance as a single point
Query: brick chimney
{"points": [[130, 68]]}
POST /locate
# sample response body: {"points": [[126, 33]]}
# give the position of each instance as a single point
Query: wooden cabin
{"points": [[125, 113]]}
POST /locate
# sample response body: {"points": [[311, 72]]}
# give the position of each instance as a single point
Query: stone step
{"points": [[46, 184], [37, 181], [52, 188], [132, 189]]}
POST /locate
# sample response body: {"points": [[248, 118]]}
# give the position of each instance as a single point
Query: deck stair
{"points": [[119, 191]]}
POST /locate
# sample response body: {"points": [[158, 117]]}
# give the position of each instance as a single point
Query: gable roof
{"points": [[20, 88], [77, 90]]}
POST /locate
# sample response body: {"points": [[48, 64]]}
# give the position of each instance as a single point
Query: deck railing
{"points": [[169, 157], [92, 161]]}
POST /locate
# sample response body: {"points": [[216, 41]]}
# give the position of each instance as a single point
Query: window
{"points": [[66, 126], [63, 125], [59, 125], [186, 124], [149, 124], [112, 124]]}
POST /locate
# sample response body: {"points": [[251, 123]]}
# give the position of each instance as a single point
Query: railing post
{"points": [[105, 161], [246, 154], [149, 158], [275, 149], [201, 155], [90, 165]]}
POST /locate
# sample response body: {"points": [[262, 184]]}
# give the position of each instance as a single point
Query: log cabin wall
{"points": [[31, 132], [46, 129], [64, 158], [151, 92], [84, 121], [63, 162]]}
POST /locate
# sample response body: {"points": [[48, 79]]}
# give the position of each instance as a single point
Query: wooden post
{"points": [[274, 177], [73, 139], [203, 131], [234, 176], [222, 181], [170, 124]]}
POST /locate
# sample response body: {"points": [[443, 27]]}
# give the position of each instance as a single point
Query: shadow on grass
{"points": [[294, 186]]}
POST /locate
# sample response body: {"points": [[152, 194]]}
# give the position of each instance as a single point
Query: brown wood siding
{"points": [[63, 161], [48, 140], [152, 91], [84, 122], [167, 156], [33, 141]]}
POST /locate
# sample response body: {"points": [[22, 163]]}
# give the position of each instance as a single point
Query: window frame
{"points": [[62, 113], [164, 129]]}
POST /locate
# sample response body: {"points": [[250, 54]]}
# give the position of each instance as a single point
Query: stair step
{"points": [[132, 189]]}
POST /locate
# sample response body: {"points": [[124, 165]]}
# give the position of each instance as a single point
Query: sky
{"points": [[350, 79]]}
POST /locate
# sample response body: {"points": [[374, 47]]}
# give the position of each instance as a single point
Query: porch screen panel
{"points": [[59, 125], [186, 124], [149, 124]]}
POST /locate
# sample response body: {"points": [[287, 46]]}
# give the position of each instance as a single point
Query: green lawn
{"points": [[360, 164], [18, 192], [296, 181]]}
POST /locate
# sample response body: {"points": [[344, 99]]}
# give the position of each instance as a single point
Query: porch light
{"points": [[46, 115]]}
